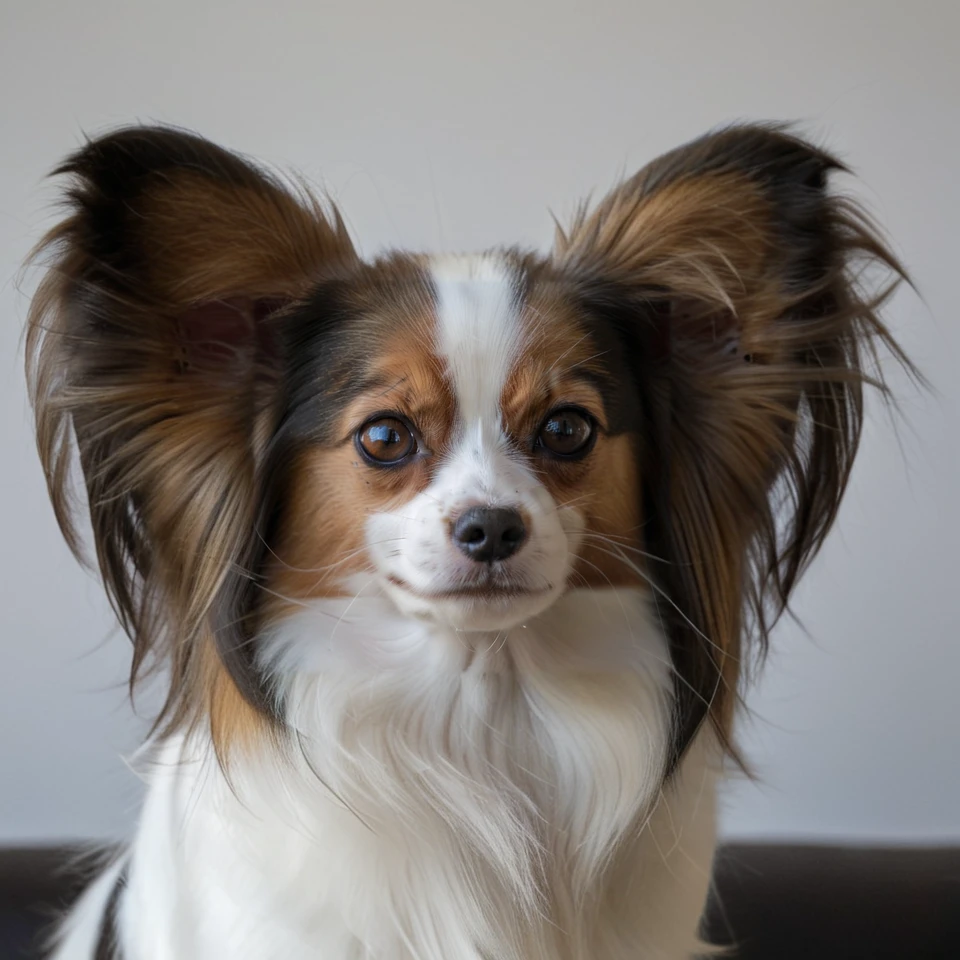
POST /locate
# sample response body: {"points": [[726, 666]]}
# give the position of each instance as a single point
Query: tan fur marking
{"points": [[334, 490], [234, 724], [549, 373]]}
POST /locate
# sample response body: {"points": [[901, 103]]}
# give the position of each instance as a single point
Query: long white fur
{"points": [[462, 781]]}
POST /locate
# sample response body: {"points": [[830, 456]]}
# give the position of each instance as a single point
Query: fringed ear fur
{"points": [[735, 280], [151, 342]]}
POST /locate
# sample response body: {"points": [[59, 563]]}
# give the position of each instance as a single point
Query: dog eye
{"points": [[567, 433], [386, 440]]}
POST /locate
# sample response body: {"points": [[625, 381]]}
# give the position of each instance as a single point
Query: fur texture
{"points": [[375, 745]]}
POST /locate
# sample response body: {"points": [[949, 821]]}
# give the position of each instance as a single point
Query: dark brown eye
{"points": [[386, 440], [567, 432]]}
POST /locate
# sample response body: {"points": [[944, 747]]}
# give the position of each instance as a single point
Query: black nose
{"points": [[486, 534]]}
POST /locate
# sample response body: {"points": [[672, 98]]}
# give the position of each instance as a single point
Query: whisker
{"points": [[666, 662], [565, 352], [603, 538], [580, 363], [349, 607], [336, 563], [573, 500], [627, 562]]}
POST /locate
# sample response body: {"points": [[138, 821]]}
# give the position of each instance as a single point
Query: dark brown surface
{"points": [[777, 902], [811, 902], [36, 884]]}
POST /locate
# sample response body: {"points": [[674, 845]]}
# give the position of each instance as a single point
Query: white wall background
{"points": [[456, 125]]}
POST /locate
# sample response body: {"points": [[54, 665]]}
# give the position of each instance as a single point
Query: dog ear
{"points": [[153, 341], [732, 277]]}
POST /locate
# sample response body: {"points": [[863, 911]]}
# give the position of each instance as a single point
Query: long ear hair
{"points": [[738, 284], [151, 344]]}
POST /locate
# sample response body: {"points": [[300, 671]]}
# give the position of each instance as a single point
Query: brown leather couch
{"points": [[773, 902]]}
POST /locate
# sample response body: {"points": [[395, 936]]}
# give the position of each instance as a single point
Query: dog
{"points": [[450, 564]]}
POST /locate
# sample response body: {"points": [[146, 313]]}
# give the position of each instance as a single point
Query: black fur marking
{"points": [[111, 175], [108, 943]]}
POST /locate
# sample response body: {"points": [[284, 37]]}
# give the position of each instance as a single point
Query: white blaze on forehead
{"points": [[478, 332]]}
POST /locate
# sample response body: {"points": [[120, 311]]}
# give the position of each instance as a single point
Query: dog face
{"points": [[477, 457]]}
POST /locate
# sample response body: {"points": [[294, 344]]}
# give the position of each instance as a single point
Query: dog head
{"points": [[263, 418]]}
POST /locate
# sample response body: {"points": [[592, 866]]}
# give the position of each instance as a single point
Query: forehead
{"points": [[503, 337], [487, 337]]}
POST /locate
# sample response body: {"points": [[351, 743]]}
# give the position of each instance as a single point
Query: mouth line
{"points": [[485, 591]]}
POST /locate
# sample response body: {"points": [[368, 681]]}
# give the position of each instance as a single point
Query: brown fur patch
{"points": [[612, 553], [333, 490], [559, 366]]}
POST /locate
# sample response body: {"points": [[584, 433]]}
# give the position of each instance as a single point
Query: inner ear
{"points": [[695, 329], [706, 329], [234, 330]]}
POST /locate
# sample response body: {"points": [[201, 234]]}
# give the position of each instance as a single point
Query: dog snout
{"points": [[486, 534]]}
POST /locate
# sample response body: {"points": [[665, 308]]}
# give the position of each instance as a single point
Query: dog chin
{"points": [[473, 611]]}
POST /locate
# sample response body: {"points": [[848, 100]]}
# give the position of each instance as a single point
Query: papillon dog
{"points": [[450, 564]]}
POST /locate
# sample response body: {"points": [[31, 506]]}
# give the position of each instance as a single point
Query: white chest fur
{"points": [[449, 797]]}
